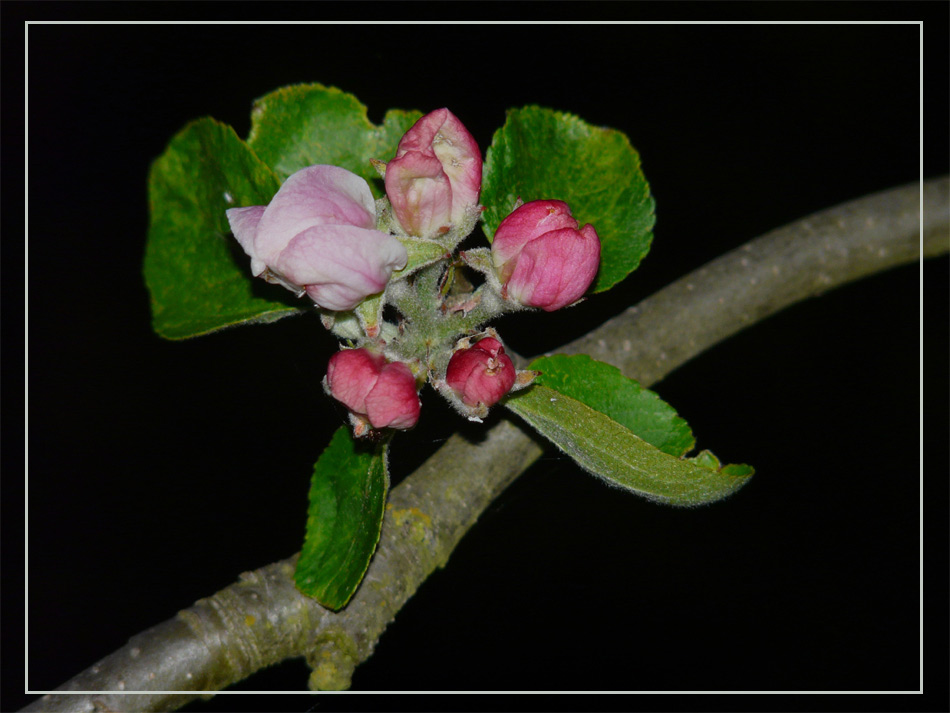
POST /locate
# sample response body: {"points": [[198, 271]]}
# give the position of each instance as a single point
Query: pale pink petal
{"points": [[351, 262], [420, 193], [440, 135], [334, 296], [420, 135], [244, 222], [317, 195], [461, 159]]}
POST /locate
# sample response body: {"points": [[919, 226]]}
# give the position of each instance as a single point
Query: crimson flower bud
{"points": [[382, 392], [541, 258], [482, 373], [436, 175]]}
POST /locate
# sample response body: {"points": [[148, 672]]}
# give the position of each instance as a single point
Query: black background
{"points": [[159, 470]]}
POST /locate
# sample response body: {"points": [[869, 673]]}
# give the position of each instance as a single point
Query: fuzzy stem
{"points": [[210, 646]]}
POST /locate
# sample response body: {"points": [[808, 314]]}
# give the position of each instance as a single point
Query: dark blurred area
{"points": [[158, 471]]}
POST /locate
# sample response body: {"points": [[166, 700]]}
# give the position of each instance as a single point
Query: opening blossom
{"points": [[374, 389], [482, 373], [319, 235], [541, 257], [435, 179]]}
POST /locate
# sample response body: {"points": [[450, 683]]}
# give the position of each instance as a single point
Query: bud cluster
{"points": [[323, 235]]}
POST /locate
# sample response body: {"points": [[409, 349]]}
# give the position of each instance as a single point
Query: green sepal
{"points": [[541, 154], [197, 274], [347, 501], [370, 314], [422, 252]]}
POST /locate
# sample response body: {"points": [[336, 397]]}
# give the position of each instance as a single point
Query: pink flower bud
{"points": [[541, 257], [318, 232], [482, 373], [384, 393], [436, 175]]}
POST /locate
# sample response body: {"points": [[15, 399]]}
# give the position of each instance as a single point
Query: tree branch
{"points": [[262, 619]]}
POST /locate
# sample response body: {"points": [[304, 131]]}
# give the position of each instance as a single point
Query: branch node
{"points": [[332, 658]]}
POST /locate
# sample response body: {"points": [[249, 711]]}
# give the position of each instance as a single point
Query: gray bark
{"points": [[262, 619]]}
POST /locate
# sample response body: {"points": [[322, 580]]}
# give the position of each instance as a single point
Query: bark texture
{"points": [[262, 618]]}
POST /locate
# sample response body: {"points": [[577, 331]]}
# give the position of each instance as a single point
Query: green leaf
{"points": [[307, 124], [612, 452], [198, 276], [543, 154], [347, 501], [604, 388]]}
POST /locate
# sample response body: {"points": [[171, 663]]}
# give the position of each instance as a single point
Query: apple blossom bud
{"points": [[541, 257], [436, 176], [318, 233], [382, 392], [482, 373]]}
